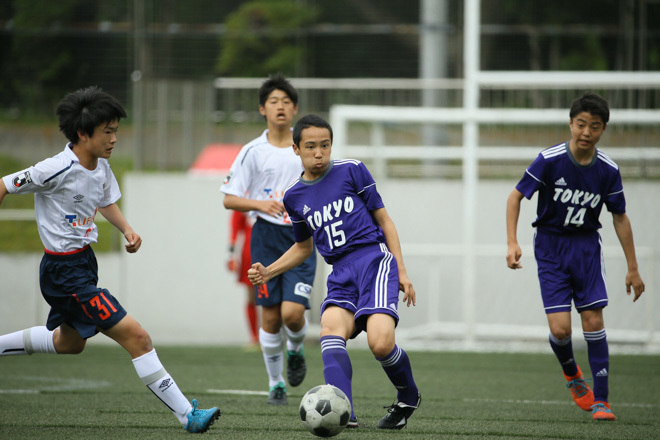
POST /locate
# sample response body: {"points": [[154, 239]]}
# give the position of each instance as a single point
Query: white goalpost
{"points": [[471, 330]]}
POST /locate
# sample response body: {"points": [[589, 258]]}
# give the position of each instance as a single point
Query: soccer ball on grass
{"points": [[325, 410]]}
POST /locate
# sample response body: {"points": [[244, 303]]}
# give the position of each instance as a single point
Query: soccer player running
{"points": [[256, 182], [574, 180], [70, 188], [335, 205]]}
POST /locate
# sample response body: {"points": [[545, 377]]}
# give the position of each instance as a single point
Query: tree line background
{"points": [[49, 48]]}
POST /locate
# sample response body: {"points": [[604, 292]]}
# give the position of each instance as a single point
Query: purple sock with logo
{"points": [[599, 360], [398, 369]]}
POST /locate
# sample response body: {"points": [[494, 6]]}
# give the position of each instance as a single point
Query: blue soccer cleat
{"points": [[277, 395], [200, 420]]}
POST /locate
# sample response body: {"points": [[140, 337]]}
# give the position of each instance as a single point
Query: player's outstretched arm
{"points": [[386, 223], [296, 255], [274, 208], [113, 214], [514, 253], [624, 232]]}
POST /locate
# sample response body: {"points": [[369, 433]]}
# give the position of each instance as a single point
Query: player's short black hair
{"points": [[306, 122], [86, 109], [591, 103], [277, 82]]}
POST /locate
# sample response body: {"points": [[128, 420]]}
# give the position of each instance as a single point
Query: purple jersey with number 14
{"points": [[335, 209], [571, 195]]}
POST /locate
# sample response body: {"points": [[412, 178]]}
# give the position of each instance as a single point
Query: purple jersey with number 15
{"points": [[335, 209], [572, 195]]}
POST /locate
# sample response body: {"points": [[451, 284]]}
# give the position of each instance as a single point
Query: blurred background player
{"points": [[240, 230], [256, 182], [574, 180], [69, 189], [335, 204]]}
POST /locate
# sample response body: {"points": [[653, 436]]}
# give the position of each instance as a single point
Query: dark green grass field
{"points": [[97, 395]]}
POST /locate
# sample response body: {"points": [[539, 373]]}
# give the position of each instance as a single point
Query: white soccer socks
{"points": [[271, 347], [31, 340], [159, 381], [295, 340]]}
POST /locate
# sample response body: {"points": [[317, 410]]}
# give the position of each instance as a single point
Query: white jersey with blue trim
{"points": [[66, 198], [262, 171]]}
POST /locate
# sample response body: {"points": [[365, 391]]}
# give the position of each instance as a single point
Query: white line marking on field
{"points": [[239, 392], [58, 384], [553, 402], [19, 391]]}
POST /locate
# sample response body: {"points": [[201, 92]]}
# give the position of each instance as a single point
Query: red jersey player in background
{"points": [[240, 225]]}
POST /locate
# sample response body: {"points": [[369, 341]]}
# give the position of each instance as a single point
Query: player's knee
{"points": [[142, 339], [381, 348], [294, 322], [70, 347], [592, 325], [560, 333]]}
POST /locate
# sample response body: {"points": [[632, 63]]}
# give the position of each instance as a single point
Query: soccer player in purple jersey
{"points": [[69, 189], [574, 180], [335, 205]]}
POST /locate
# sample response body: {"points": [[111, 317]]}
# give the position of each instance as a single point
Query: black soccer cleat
{"points": [[398, 414], [296, 367]]}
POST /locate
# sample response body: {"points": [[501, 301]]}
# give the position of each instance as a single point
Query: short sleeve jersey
{"points": [[66, 198], [262, 171], [336, 209], [571, 195]]}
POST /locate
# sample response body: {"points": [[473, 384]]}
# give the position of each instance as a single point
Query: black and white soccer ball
{"points": [[325, 410]]}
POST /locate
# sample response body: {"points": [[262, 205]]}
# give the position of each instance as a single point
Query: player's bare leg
{"points": [[562, 345], [136, 341]]}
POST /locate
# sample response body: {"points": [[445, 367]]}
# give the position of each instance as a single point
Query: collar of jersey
{"points": [[321, 177], [69, 152]]}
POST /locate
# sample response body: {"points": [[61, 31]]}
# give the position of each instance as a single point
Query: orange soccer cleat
{"points": [[582, 394], [602, 411]]}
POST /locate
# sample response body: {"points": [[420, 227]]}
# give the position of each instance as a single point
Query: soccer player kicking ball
{"points": [[574, 180], [335, 205], [70, 188]]}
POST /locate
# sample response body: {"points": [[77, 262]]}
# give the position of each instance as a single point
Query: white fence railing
{"points": [[469, 250]]}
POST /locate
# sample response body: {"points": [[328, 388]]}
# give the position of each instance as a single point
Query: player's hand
{"points": [[634, 282], [406, 286], [513, 257], [231, 264], [134, 241], [273, 208], [258, 274]]}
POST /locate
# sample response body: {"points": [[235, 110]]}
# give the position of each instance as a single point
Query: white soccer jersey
{"points": [[66, 198], [262, 171]]}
